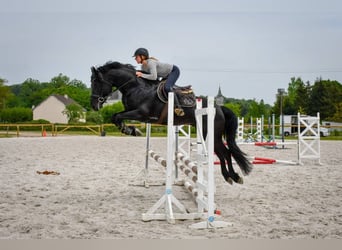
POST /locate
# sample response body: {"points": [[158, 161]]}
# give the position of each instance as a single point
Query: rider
{"points": [[152, 69]]}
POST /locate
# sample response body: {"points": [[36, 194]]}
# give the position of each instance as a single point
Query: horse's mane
{"points": [[129, 68], [115, 65]]}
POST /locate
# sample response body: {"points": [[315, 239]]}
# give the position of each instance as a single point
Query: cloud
{"points": [[250, 48]]}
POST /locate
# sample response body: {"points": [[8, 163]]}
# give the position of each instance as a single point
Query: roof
{"points": [[64, 99], [219, 94]]}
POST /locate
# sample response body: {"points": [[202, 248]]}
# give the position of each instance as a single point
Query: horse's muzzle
{"points": [[95, 104]]}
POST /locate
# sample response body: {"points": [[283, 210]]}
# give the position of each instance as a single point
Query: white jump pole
{"points": [[207, 153], [240, 130], [168, 199], [148, 136], [143, 173], [205, 201]]}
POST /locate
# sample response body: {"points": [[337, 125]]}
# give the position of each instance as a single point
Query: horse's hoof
{"points": [[229, 180], [240, 180]]}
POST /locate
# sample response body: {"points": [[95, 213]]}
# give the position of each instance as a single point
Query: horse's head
{"points": [[100, 89], [112, 74]]}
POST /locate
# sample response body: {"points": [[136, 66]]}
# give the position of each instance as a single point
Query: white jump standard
{"points": [[168, 201]]}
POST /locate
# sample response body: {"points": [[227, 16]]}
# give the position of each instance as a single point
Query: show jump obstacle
{"points": [[205, 186], [309, 138], [308, 142]]}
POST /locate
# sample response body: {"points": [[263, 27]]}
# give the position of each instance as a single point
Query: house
{"points": [[51, 109], [113, 98]]}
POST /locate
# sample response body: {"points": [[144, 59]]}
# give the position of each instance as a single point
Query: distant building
{"points": [[113, 98], [219, 98], [51, 109]]}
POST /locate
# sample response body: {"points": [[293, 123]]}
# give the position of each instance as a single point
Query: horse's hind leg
{"points": [[225, 158], [232, 173], [224, 170]]}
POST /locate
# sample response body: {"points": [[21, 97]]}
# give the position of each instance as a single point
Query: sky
{"points": [[248, 48]]}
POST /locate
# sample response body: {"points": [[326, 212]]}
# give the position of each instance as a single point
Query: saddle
{"points": [[183, 94]]}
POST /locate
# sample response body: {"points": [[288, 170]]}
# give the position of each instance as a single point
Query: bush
{"points": [[335, 132], [94, 117], [108, 111], [15, 115], [40, 121]]}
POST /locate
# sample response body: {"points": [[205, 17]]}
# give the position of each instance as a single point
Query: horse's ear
{"points": [[93, 70]]}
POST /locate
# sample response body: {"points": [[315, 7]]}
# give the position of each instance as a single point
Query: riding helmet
{"points": [[141, 52]]}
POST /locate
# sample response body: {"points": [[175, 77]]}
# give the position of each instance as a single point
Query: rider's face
{"points": [[138, 59]]}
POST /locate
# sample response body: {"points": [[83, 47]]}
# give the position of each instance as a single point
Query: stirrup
{"points": [[179, 111]]}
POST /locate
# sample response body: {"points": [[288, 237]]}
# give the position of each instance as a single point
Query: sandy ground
{"points": [[93, 196]]}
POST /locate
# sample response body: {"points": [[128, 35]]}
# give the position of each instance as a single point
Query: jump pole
{"points": [[206, 206], [143, 173], [205, 154], [168, 199]]}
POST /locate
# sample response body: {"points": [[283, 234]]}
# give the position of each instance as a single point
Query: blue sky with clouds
{"points": [[249, 48]]}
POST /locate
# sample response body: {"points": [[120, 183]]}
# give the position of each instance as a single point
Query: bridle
{"points": [[100, 98]]}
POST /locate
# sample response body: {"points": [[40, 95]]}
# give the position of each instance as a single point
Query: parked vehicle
{"points": [[323, 131], [291, 126]]}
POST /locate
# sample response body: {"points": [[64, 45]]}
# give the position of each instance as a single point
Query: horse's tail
{"points": [[231, 125]]}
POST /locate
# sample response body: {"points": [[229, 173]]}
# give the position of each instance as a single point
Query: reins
{"points": [[100, 97]]}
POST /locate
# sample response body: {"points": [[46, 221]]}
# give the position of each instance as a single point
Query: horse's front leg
{"points": [[118, 119]]}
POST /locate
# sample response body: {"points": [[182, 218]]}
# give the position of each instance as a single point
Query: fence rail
{"points": [[55, 129], [96, 129], [7, 128]]}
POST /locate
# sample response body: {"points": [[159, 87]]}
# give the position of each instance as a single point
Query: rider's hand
{"points": [[138, 74]]}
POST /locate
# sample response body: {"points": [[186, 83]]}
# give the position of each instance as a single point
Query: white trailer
{"points": [[291, 126]]}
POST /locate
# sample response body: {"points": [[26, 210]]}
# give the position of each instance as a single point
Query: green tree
{"points": [[5, 94], [297, 96], [301, 101], [75, 89], [325, 94], [80, 94], [74, 113], [77, 84], [257, 109], [27, 94], [17, 114], [337, 117], [235, 107], [32, 92], [108, 111], [59, 81], [94, 117]]}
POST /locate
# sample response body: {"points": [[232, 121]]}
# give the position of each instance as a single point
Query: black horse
{"points": [[142, 103]]}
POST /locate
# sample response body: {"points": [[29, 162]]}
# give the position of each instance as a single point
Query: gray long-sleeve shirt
{"points": [[156, 69]]}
